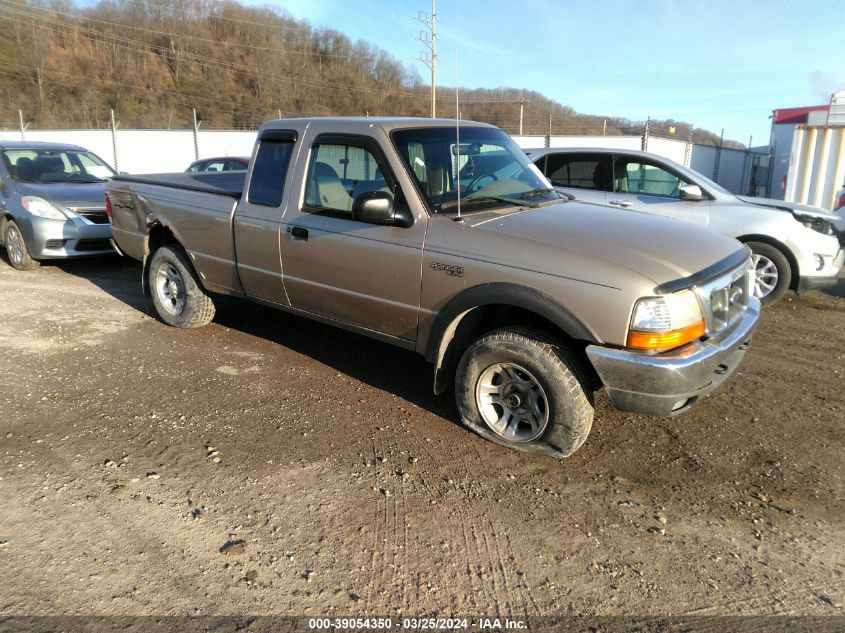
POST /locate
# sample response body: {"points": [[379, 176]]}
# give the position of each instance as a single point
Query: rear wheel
{"points": [[16, 249], [772, 273], [518, 388], [178, 297]]}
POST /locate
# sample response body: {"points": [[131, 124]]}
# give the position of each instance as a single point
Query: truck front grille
{"points": [[725, 298]]}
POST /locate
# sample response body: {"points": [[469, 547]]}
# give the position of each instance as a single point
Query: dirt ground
{"points": [[266, 464]]}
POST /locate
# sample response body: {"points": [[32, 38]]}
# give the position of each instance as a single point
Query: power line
{"points": [[430, 58], [217, 16], [145, 88], [82, 16], [210, 61], [63, 27]]}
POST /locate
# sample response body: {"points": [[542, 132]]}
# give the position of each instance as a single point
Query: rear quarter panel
{"points": [[200, 222]]}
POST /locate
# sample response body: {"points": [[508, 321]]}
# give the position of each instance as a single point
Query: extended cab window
{"points": [[268, 174], [579, 171], [642, 177], [340, 173]]}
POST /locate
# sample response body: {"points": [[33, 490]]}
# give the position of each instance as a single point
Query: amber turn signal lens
{"points": [[665, 340]]}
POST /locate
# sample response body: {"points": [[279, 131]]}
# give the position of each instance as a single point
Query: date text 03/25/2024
{"points": [[417, 624]]}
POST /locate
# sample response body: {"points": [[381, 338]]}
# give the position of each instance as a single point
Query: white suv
{"points": [[794, 246]]}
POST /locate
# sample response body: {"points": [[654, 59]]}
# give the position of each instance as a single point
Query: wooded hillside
{"points": [[66, 66]]}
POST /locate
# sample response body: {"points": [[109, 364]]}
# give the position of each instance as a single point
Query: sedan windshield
{"points": [[55, 165], [485, 169]]}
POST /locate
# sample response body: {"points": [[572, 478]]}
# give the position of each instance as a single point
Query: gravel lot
{"points": [[270, 465]]}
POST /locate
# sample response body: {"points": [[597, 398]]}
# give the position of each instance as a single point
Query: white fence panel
{"points": [[614, 142], [530, 142], [98, 141], [147, 151], [668, 148]]}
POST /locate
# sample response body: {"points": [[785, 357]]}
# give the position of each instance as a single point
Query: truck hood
{"points": [[661, 249], [82, 194], [788, 207]]}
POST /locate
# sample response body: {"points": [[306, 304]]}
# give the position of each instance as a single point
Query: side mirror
{"points": [[691, 192], [376, 207]]}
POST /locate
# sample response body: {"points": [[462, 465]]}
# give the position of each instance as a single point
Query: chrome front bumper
{"points": [[669, 383]]}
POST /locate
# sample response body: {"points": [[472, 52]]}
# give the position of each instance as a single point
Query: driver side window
{"points": [[340, 173], [644, 178]]}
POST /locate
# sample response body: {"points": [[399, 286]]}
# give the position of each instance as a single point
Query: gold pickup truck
{"points": [[442, 237]]}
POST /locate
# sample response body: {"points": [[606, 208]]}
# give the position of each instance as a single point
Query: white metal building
{"points": [[817, 158]]}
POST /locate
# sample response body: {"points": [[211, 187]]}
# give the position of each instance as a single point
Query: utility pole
{"points": [[719, 156], [23, 125], [646, 133], [521, 111], [688, 148], [114, 126], [197, 123], [549, 135], [430, 58]]}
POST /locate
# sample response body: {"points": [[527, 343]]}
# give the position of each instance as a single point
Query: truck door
{"points": [[642, 184], [343, 269], [259, 215]]}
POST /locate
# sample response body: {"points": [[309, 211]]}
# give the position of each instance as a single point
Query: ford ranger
{"points": [[443, 238]]}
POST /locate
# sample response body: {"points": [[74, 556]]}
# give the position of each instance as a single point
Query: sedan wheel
{"points": [[772, 272], [16, 248], [765, 275]]}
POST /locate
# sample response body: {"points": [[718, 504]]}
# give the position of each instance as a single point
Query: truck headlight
{"points": [[42, 208], [661, 323]]}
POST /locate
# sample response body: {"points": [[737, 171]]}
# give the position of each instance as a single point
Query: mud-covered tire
{"points": [[536, 359], [770, 261], [178, 297], [16, 249]]}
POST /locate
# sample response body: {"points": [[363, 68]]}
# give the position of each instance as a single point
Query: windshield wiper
{"points": [[537, 192], [518, 203]]}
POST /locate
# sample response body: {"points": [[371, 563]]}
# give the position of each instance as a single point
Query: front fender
{"points": [[440, 345]]}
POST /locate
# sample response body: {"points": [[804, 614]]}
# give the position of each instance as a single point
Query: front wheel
{"points": [[520, 389], [772, 273], [16, 249], [178, 297]]}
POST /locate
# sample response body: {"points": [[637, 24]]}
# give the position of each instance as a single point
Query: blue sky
{"points": [[717, 64]]}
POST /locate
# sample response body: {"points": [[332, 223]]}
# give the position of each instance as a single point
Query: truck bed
{"points": [[224, 183]]}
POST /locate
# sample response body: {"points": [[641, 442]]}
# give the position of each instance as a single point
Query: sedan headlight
{"points": [[42, 208], [819, 225], [661, 323]]}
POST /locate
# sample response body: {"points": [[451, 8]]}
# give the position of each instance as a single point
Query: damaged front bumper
{"points": [[669, 383]]}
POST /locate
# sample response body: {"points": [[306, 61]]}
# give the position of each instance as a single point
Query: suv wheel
{"points": [[178, 297], [772, 273], [518, 388], [16, 249]]}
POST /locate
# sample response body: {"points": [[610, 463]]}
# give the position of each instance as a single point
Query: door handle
{"points": [[298, 233], [622, 203]]}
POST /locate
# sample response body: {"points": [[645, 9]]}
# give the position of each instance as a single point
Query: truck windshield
{"points": [[55, 165], [487, 168]]}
